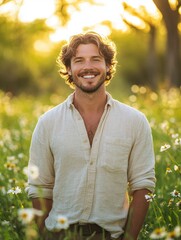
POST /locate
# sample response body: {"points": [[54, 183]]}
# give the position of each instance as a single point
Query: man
{"points": [[91, 151]]}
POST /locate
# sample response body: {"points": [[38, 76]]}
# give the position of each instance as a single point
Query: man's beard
{"points": [[91, 89]]}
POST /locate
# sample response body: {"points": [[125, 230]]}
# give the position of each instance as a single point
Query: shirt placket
{"points": [[91, 171]]}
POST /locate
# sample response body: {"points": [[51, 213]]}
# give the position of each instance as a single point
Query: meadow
{"points": [[18, 116]]}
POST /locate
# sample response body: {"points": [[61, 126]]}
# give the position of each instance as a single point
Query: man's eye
{"points": [[78, 60], [96, 59]]}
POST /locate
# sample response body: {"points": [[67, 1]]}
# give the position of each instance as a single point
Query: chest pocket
{"points": [[115, 154]]}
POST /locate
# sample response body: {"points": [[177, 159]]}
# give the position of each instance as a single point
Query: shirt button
{"points": [[91, 163]]}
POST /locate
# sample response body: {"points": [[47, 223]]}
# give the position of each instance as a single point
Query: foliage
{"points": [[23, 69], [18, 116], [20, 69]]}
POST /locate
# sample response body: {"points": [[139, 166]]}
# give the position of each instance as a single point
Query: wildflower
{"points": [[5, 223], [176, 167], [11, 158], [62, 222], [158, 233], [178, 141], [12, 180], [26, 215], [10, 191], [32, 171], [175, 193], [10, 165], [174, 234], [164, 147], [164, 126], [175, 135], [168, 170], [170, 202], [178, 204], [15, 190], [20, 155], [149, 197], [177, 231], [2, 189]]}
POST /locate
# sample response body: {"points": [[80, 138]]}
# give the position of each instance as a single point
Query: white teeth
{"points": [[89, 76]]}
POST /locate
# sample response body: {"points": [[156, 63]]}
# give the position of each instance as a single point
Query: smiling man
{"points": [[94, 153]]}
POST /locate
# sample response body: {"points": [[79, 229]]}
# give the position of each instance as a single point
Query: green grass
{"points": [[18, 116]]}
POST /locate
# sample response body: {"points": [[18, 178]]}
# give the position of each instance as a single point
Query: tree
{"points": [[171, 19], [62, 8], [150, 24]]}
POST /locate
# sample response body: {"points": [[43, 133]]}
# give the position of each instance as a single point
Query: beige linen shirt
{"points": [[90, 183]]}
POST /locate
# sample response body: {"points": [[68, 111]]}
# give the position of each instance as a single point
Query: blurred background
{"points": [[147, 35]]}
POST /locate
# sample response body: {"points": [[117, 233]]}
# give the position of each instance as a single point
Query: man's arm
{"points": [[137, 213], [45, 205]]}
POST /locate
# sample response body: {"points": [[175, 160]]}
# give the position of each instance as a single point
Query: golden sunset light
{"points": [[36, 9], [88, 16]]}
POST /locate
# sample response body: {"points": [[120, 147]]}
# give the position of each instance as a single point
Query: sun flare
{"points": [[36, 9], [89, 16]]}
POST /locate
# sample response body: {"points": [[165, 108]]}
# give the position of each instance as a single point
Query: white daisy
{"points": [[164, 147], [61, 222]]}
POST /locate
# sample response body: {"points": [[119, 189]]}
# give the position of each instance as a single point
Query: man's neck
{"points": [[90, 102]]}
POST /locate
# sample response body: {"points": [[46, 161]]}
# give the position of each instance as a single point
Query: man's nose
{"points": [[87, 64]]}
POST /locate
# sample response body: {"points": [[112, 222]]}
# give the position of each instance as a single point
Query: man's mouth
{"points": [[88, 75]]}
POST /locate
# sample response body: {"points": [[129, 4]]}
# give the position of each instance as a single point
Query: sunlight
{"points": [[89, 16], [42, 46], [148, 4], [91, 20], [9, 9], [36, 9]]}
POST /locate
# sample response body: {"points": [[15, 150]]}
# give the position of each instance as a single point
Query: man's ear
{"points": [[107, 68], [69, 71]]}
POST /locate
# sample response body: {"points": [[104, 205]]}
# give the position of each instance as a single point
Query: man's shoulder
{"points": [[54, 112], [126, 109]]}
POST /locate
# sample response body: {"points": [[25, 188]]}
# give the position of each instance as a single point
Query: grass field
{"points": [[18, 116]]}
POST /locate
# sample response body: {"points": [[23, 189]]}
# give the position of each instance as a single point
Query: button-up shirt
{"points": [[91, 183]]}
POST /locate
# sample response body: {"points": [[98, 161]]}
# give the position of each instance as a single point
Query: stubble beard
{"points": [[91, 89]]}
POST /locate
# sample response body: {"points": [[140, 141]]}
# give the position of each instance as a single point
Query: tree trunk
{"points": [[171, 19], [152, 59]]}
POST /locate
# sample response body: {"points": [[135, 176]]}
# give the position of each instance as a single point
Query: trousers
{"points": [[77, 234]]}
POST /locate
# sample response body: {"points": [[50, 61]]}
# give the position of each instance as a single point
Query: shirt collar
{"points": [[71, 97]]}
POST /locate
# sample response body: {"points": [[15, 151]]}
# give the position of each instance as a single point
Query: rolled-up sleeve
{"points": [[40, 184], [141, 169]]}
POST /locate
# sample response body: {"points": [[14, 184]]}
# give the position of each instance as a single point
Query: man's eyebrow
{"points": [[96, 56], [77, 58]]}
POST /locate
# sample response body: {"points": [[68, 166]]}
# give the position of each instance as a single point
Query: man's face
{"points": [[88, 68]]}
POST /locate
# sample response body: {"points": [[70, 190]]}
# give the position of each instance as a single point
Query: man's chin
{"points": [[90, 89]]}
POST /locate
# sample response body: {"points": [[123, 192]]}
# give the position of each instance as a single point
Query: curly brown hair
{"points": [[106, 48]]}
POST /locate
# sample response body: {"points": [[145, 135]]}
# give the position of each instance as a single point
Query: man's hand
{"points": [[44, 205], [137, 213]]}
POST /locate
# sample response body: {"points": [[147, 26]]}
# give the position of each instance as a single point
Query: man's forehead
{"points": [[90, 49]]}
